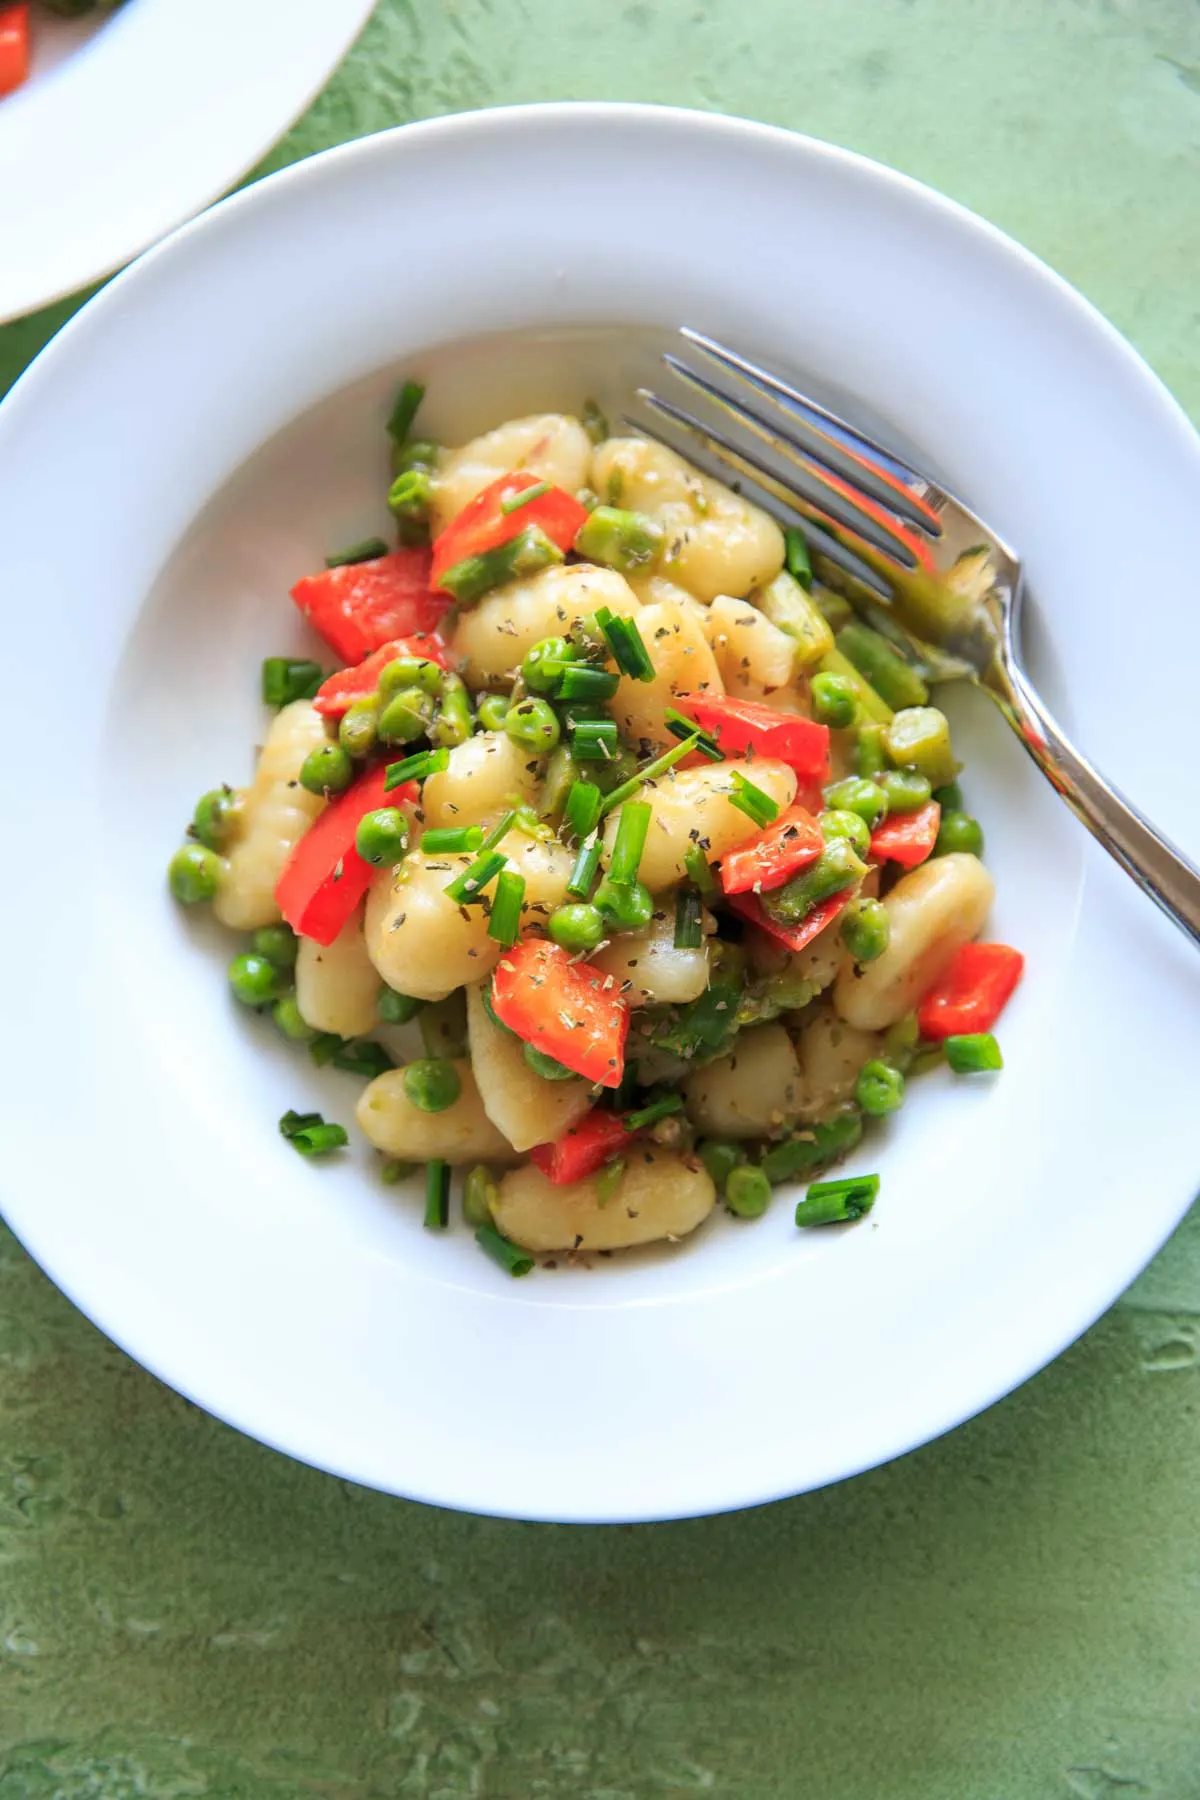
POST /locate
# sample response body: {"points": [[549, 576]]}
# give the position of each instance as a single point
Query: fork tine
{"points": [[887, 479], [722, 450]]}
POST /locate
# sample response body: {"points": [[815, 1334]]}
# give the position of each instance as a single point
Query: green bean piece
{"points": [[415, 453], [410, 672], [546, 1066], [215, 818], [358, 728], [593, 740], [533, 724], [856, 795], [291, 1021], [366, 550], [833, 701], [871, 704], [327, 770], [502, 1250], [958, 831], [838, 867], [254, 980], [796, 559], [625, 905], [900, 1042], [194, 874], [587, 862], [278, 943], [720, 1159], [949, 797], [437, 1195], [576, 928], [404, 410], [622, 540], [870, 756], [814, 1147], [406, 717], [879, 1089], [491, 710], [287, 678], [973, 1053], [543, 665], [475, 576], [837, 1202], [886, 670], [310, 1135], [919, 738], [594, 422], [609, 1179], [747, 1192], [480, 1194], [790, 609], [452, 722], [835, 609], [848, 825], [395, 1008], [866, 927], [906, 789], [432, 1084]]}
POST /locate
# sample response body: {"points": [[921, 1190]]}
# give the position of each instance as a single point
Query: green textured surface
{"points": [[1009, 1614]]}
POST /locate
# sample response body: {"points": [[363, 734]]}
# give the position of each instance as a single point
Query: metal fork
{"points": [[920, 565]]}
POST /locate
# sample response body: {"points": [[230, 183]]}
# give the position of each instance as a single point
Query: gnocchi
{"points": [[492, 638], [658, 1195], [552, 446], [275, 813], [460, 1133], [693, 807], [932, 912]]}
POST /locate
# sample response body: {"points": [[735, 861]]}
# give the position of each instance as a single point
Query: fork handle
{"points": [[1159, 869]]}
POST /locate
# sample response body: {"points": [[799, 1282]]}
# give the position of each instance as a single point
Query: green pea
{"points": [[833, 701], [327, 770], [409, 671], [846, 825], [959, 831], [866, 928], [215, 817], [879, 1089], [291, 1021], [548, 1067], [406, 715], [747, 1191], [534, 725], [278, 943], [382, 836], [452, 721], [857, 795], [720, 1159], [543, 665], [480, 1194], [491, 710], [949, 797], [360, 727], [432, 1084], [906, 789], [624, 905], [576, 927], [254, 980], [395, 1008], [193, 873]]}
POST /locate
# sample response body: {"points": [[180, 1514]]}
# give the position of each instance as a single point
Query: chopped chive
{"points": [[405, 410], [416, 768], [626, 643], [437, 1195], [632, 827], [679, 726], [659, 766], [582, 808], [502, 1250], [609, 1179], [287, 678], [310, 1135], [593, 740], [364, 1057], [973, 1053], [512, 501], [292, 1122], [504, 925], [835, 1202], [578, 682], [594, 421], [796, 557], [583, 874], [657, 1109], [752, 801], [452, 838], [500, 829], [366, 550], [697, 866], [325, 1046], [688, 935], [469, 886]]}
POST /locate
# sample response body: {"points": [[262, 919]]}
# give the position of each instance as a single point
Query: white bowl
{"points": [[196, 438], [125, 128]]}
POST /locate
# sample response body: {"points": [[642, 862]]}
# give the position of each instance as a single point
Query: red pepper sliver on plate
{"points": [[740, 725], [566, 1008], [775, 855], [584, 1149], [14, 46], [794, 936], [325, 877], [971, 994], [907, 838], [483, 523], [345, 686], [357, 607]]}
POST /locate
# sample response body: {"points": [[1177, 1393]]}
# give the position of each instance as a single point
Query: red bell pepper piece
{"points": [[360, 606], [770, 859], [583, 1149], [343, 688], [971, 994], [566, 1008], [483, 524], [795, 937], [325, 877], [14, 45], [740, 725], [907, 838]]}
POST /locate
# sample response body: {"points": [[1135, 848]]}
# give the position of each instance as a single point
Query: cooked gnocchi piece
{"points": [[460, 1133], [274, 814], [693, 807], [337, 985], [932, 912], [683, 664], [492, 638], [552, 446], [659, 1194]]}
